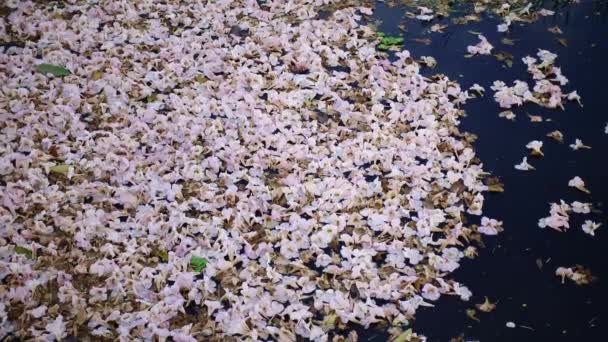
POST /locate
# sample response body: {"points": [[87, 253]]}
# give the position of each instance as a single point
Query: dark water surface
{"points": [[506, 270]]}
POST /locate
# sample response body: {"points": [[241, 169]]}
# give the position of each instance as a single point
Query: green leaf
{"points": [[330, 321], [383, 47], [405, 336], [61, 169], [198, 264], [392, 41], [22, 250], [163, 256], [55, 70]]}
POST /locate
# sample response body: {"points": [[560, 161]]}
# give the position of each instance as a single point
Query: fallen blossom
{"points": [[589, 227], [535, 147], [581, 208], [578, 274], [507, 114], [558, 217], [524, 166], [481, 48], [557, 136], [578, 145], [579, 184]]}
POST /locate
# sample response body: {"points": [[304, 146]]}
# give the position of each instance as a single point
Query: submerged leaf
{"points": [[507, 41], [54, 70]]}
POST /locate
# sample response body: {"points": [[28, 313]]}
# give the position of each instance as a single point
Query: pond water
{"points": [[507, 270]]}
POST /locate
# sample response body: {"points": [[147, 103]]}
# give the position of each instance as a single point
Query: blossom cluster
{"points": [[547, 91], [321, 183]]}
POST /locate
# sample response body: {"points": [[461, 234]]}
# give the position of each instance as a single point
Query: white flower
{"points": [[507, 114], [504, 27], [573, 96], [482, 48], [579, 184], [589, 227], [545, 12], [606, 129], [38, 312], [476, 87], [430, 292], [366, 10], [429, 61], [581, 208], [57, 328], [535, 146], [564, 273], [524, 166], [558, 218], [462, 291], [489, 226], [578, 144]]}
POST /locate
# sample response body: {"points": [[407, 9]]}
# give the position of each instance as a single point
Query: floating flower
{"points": [[581, 208], [558, 218], [578, 144], [579, 184], [535, 146], [482, 48], [577, 274], [524, 166], [556, 135], [589, 227]]}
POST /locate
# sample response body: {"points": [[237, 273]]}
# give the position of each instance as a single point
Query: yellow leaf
{"points": [[472, 314], [496, 188], [61, 169], [404, 336], [97, 75]]}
